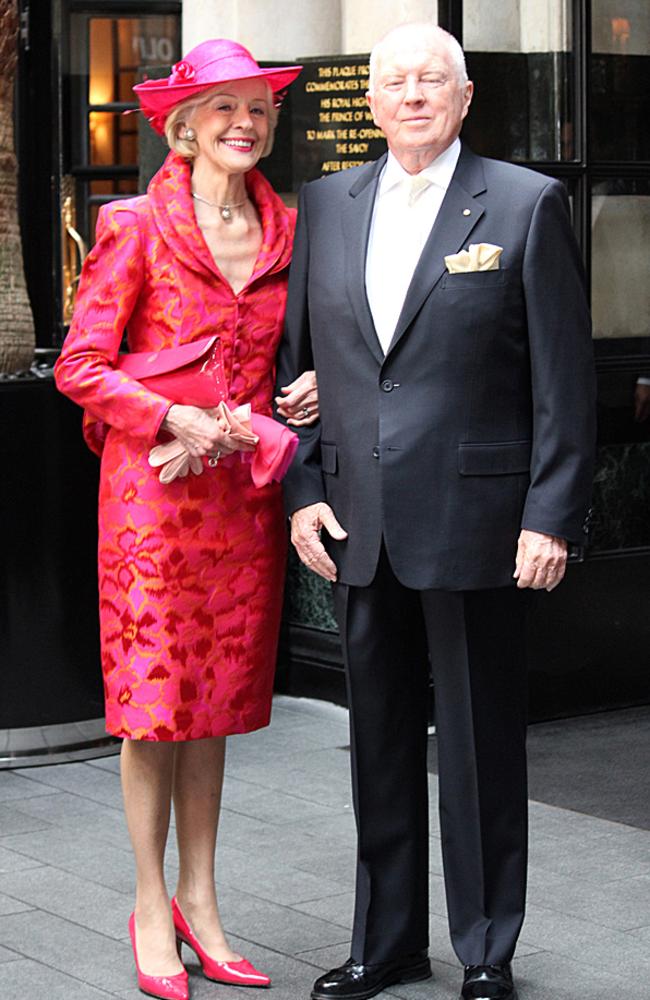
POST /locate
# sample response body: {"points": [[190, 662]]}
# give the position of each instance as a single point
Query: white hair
{"points": [[451, 44]]}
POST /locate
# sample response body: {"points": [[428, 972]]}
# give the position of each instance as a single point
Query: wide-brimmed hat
{"points": [[213, 62]]}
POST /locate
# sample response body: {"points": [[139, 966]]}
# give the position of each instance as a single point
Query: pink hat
{"points": [[207, 65]]}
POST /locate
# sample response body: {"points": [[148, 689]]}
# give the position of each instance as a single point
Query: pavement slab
{"points": [[285, 876], [27, 979]]}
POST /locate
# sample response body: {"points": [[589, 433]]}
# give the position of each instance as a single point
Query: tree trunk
{"points": [[16, 320]]}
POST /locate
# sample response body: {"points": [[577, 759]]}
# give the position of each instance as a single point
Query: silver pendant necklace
{"points": [[225, 210]]}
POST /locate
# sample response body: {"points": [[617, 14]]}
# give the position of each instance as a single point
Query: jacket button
{"points": [[375, 452], [387, 385]]}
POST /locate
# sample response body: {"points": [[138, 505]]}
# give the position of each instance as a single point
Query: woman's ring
{"points": [[213, 461], [305, 411]]}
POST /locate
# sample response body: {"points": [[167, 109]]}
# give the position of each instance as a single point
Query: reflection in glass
{"points": [[119, 46], [621, 496], [620, 70], [519, 57], [118, 49], [101, 84], [102, 48], [620, 26], [113, 138], [621, 314], [620, 237], [108, 55], [107, 190]]}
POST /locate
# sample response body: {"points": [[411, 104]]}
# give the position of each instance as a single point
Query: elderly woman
{"points": [[190, 568]]}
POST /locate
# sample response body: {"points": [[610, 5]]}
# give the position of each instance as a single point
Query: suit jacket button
{"points": [[387, 385], [375, 452]]}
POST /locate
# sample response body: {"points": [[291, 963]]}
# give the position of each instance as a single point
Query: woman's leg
{"points": [[198, 780], [147, 772]]}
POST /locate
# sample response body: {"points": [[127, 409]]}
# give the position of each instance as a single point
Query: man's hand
{"points": [[299, 404], [541, 560], [306, 525]]}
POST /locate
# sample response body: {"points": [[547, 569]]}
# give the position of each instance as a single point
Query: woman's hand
{"points": [[299, 404], [201, 432]]}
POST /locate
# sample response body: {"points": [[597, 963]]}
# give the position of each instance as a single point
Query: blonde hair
{"points": [[179, 117]]}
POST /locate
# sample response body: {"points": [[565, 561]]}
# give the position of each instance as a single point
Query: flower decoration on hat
{"points": [[278, 97], [182, 72], [157, 123]]}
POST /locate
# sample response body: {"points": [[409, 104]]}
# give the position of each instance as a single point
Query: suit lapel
{"points": [[459, 213], [357, 216]]}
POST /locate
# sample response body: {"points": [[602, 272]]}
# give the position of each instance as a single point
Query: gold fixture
{"points": [[73, 248]]}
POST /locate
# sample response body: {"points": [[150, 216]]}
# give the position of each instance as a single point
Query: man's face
{"points": [[418, 100]]}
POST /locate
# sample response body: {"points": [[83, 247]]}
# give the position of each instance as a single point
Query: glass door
{"points": [[108, 55], [103, 57]]}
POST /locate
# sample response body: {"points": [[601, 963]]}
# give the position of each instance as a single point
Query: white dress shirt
{"points": [[401, 222]]}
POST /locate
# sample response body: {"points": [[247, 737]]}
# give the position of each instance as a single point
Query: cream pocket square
{"points": [[479, 257]]}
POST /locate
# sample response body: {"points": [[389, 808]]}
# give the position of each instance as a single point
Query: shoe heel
{"points": [[417, 972], [163, 987]]}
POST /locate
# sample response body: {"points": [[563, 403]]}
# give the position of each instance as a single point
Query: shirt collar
{"points": [[439, 172]]}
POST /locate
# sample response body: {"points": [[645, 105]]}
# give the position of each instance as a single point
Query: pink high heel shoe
{"points": [[240, 973], [163, 987]]}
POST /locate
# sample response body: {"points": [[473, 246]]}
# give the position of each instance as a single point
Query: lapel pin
{"points": [[467, 211]]}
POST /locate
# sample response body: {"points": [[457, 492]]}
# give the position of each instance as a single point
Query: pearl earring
{"points": [[190, 134]]}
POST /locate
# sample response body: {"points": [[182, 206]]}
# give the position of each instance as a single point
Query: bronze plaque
{"points": [[332, 125]]}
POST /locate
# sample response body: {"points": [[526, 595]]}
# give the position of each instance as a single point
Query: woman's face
{"points": [[232, 127]]}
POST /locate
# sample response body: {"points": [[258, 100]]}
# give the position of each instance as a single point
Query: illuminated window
{"points": [[108, 56]]}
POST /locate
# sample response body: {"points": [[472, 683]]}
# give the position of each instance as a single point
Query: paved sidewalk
{"points": [[285, 873]]}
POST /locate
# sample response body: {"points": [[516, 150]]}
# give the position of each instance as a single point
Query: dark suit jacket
{"points": [[480, 418]]}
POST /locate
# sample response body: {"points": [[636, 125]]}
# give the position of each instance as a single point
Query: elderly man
{"points": [[440, 297]]}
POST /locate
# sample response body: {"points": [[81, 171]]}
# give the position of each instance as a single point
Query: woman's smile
{"points": [[245, 145]]}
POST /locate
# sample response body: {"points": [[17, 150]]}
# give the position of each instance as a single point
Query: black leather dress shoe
{"points": [[488, 982], [354, 981]]}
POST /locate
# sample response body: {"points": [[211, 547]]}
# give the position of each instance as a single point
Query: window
{"points": [[108, 55], [620, 220], [562, 86], [620, 97], [519, 54]]}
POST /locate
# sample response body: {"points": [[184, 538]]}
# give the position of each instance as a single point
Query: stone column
{"points": [[277, 30], [491, 28], [517, 26], [365, 21], [208, 19], [546, 27]]}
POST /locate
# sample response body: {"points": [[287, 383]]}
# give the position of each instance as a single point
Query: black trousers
{"points": [[474, 641]]}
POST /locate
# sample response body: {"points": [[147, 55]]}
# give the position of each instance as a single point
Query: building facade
{"points": [[561, 86]]}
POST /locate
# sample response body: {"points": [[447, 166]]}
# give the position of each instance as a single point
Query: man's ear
{"points": [[369, 100], [467, 96]]}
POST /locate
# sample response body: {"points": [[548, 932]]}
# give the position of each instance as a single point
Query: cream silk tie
{"points": [[417, 185]]}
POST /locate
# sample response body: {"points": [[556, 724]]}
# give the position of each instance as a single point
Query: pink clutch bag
{"points": [[193, 375], [275, 450]]}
